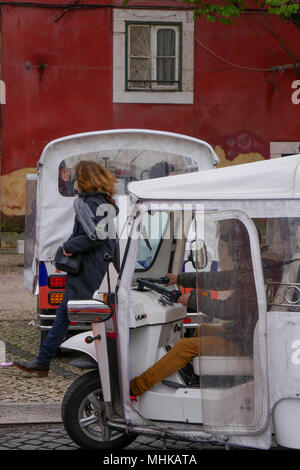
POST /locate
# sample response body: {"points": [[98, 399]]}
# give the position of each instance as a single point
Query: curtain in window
{"points": [[166, 52]]}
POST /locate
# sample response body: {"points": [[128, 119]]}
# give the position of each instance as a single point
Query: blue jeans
{"points": [[55, 336]]}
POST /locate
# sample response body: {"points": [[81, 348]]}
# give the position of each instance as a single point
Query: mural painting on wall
{"points": [[13, 197], [242, 147]]}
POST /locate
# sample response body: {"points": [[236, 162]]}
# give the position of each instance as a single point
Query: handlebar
{"points": [[171, 295], [157, 280]]}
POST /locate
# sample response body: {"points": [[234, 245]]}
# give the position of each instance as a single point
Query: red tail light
{"points": [[57, 281]]}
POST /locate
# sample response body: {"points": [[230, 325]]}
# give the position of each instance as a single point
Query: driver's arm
{"points": [[211, 307], [217, 280]]}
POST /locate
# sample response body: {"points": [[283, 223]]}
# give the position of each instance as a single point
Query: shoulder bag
{"points": [[68, 264]]}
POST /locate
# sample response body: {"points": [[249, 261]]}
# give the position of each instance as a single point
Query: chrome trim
{"points": [[80, 327], [46, 317], [191, 325]]}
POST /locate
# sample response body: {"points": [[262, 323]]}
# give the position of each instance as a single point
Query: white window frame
{"points": [[158, 94], [154, 28]]}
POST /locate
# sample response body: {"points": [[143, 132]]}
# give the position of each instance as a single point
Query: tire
{"points": [[83, 401]]}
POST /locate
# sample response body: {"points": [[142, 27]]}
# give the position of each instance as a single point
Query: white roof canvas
{"points": [[277, 178]]}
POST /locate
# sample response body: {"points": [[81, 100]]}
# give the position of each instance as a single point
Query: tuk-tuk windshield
{"points": [[154, 224], [127, 165]]}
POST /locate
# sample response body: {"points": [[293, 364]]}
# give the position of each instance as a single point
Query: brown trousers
{"points": [[208, 344]]}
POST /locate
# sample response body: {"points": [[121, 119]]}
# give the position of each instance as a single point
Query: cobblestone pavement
{"points": [[54, 437], [18, 329], [35, 437], [25, 398]]}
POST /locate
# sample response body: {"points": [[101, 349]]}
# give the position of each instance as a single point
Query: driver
{"points": [[240, 308]]}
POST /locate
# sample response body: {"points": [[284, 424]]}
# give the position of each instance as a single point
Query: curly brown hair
{"points": [[93, 177]]}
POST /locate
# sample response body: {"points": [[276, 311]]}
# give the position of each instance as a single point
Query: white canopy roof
{"points": [[125, 139], [55, 212], [277, 178]]}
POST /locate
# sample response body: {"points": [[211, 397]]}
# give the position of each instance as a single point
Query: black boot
{"points": [[33, 366]]}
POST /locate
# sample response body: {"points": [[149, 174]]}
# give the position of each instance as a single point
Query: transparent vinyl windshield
{"points": [[199, 338], [225, 300], [281, 238], [153, 227]]}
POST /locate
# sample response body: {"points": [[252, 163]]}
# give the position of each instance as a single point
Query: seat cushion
{"points": [[223, 365]]}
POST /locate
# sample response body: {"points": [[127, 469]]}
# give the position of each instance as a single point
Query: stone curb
{"points": [[24, 413]]}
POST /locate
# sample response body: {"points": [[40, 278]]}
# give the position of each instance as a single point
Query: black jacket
{"points": [[83, 285]]}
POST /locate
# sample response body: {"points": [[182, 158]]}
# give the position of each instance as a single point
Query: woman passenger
{"points": [[96, 187]]}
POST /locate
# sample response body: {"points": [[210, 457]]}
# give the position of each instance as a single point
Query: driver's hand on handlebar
{"points": [[184, 299], [172, 279]]}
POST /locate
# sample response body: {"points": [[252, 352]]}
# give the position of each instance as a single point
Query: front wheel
{"points": [[82, 415]]}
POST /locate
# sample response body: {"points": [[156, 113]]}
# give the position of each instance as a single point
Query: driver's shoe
{"points": [[33, 367]]}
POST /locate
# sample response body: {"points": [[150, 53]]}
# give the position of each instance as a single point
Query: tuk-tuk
{"points": [[132, 155], [233, 217]]}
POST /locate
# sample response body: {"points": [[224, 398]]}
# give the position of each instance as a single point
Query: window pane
{"points": [[228, 298], [127, 165], [140, 69], [140, 41], [282, 238], [165, 69], [153, 227], [166, 42]]}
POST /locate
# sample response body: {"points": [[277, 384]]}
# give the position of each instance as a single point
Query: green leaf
{"points": [[230, 10]]}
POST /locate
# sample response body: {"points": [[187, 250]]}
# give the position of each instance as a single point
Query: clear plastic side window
{"points": [[281, 251], [226, 304], [127, 165]]}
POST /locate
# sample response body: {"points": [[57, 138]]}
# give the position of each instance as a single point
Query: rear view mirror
{"points": [[198, 254]]}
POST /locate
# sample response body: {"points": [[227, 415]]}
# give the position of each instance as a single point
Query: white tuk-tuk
{"points": [[249, 398], [132, 155]]}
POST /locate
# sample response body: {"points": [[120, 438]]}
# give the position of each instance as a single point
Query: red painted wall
{"points": [[75, 90], [74, 93], [230, 99]]}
